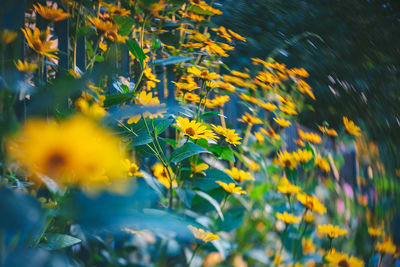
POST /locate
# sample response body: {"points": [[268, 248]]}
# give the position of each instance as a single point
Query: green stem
{"points": [[94, 53], [284, 235], [201, 98], [194, 254]]}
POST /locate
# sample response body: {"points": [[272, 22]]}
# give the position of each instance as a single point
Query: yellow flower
{"points": [[37, 40], [308, 246], [239, 175], [230, 136], [271, 133], [268, 106], [248, 98], [226, 86], [231, 188], [287, 218], [375, 232], [285, 187], [330, 132], [76, 151], [340, 259], [104, 26], [322, 163], [7, 36], [93, 110], [202, 4], [132, 168], [260, 138], [300, 142], [237, 36], [286, 101], [203, 73], [332, 231], [192, 97], [287, 160], [115, 37], [146, 99], [74, 74], [351, 128], [309, 136], [51, 13], [199, 168], [305, 88], [308, 217], [304, 155], [203, 235], [240, 74], [282, 122], [221, 31], [254, 166], [25, 66], [161, 173], [116, 10], [311, 203], [386, 247], [220, 101], [195, 130], [186, 86], [287, 110], [249, 119]]}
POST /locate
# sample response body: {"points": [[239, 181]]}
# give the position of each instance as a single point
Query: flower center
{"points": [[190, 131], [55, 162], [343, 263]]}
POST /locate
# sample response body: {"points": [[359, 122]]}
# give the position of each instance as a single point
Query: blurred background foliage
{"points": [[349, 47]]}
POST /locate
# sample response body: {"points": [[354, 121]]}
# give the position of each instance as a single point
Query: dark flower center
{"points": [[343, 263], [56, 161], [190, 131]]}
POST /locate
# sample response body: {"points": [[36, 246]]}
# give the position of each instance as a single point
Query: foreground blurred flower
{"points": [[375, 232], [76, 151], [249, 119], [340, 259], [195, 130], [287, 218], [330, 132], [308, 246], [37, 40], [282, 122], [332, 231], [351, 128], [25, 66], [322, 163], [51, 13], [231, 188], [163, 175], [7, 36], [147, 100], [287, 160], [311, 203], [203, 235], [239, 175]]}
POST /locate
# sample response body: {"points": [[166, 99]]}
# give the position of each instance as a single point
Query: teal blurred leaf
{"points": [[52, 241], [213, 202], [186, 151]]}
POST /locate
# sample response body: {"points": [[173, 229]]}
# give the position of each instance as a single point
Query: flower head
{"points": [[203, 73], [340, 259], [104, 26], [50, 12], [351, 128], [330, 132], [285, 187], [25, 66], [239, 175], [332, 231], [163, 175], [230, 136], [203, 235], [375, 232], [287, 160], [311, 202], [132, 168], [7, 36], [195, 130], [249, 119], [37, 40], [231, 188], [287, 218], [282, 122], [386, 247]]}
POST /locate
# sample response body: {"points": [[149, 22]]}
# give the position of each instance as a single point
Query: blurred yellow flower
{"points": [[7, 36], [304, 155], [162, 175], [311, 203], [386, 247], [351, 128], [132, 168], [25, 66], [76, 151], [259, 137], [285, 187], [237, 36], [195, 130], [199, 168], [186, 86], [212, 259], [282, 122], [203, 73], [93, 110], [239, 175], [332, 231], [37, 40], [231, 188], [220, 101], [268, 106], [51, 12], [288, 110], [104, 26], [330, 132], [309, 136], [249, 119], [322, 163], [146, 99], [340, 259], [203, 235], [271, 133], [287, 160], [287, 218], [192, 97], [375, 232], [308, 246]]}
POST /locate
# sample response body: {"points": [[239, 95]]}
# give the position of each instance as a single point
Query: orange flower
{"points": [[37, 40], [51, 13]]}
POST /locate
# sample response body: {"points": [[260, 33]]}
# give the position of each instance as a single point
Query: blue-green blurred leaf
{"points": [[186, 151], [52, 241]]}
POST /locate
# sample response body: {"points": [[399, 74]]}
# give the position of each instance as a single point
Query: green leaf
{"points": [[171, 60], [207, 182], [186, 151], [116, 99], [135, 49], [212, 201], [125, 23], [89, 49], [162, 126], [208, 115], [143, 138], [57, 241], [200, 11], [172, 142], [84, 31], [99, 58], [186, 195], [225, 153]]}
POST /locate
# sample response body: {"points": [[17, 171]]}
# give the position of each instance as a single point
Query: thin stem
{"points": [[201, 98], [194, 254], [284, 235], [94, 53], [221, 111], [224, 201]]}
